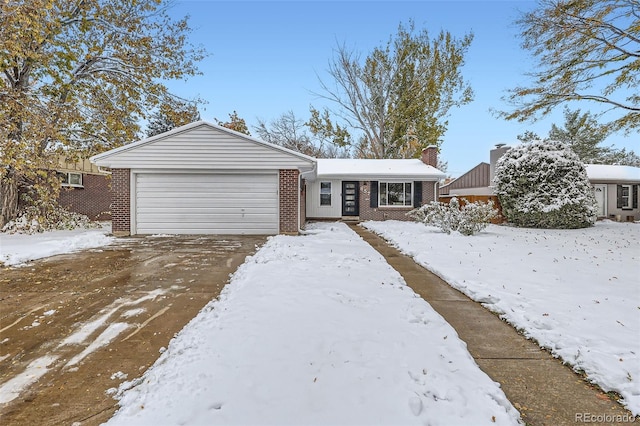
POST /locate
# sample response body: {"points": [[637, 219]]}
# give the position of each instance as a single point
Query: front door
{"points": [[600, 191], [350, 206]]}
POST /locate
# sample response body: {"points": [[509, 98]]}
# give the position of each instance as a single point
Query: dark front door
{"points": [[350, 206]]}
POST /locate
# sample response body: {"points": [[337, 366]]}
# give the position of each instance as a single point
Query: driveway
{"points": [[74, 326]]}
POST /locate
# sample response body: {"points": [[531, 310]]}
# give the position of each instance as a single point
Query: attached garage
{"points": [[205, 179], [206, 203]]}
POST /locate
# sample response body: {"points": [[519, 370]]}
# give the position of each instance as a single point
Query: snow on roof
{"points": [[609, 173], [377, 169]]}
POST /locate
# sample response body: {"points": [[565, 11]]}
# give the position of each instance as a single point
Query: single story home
{"points": [[85, 188], [616, 190], [370, 189], [615, 187], [206, 179]]}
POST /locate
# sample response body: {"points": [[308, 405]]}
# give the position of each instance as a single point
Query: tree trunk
{"points": [[8, 197]]}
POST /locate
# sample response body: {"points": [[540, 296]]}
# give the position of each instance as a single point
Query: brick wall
{"points": [[121, 202], [94, 200], [389, 213], [289, 192]]}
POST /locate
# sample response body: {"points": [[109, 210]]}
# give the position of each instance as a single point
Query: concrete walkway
{"points": [[545, 391]]}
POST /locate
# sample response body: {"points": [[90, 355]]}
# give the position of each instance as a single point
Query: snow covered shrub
{"points": [[544, 184], [32, 220], [468, 219]]}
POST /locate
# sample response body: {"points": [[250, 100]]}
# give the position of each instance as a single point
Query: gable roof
{"points": [[376, 169], [203, 145], [610, 173]]}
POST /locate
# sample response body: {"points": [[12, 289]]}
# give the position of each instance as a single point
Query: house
{"points": [[371, 189], [205, 179], [85, 188], [616, 190], [615, 187]]}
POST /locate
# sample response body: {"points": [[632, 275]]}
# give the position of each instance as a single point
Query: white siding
{"points": [[205, 203], [314, 209], [203, 147]]}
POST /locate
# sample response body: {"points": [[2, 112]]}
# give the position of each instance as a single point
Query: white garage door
{"points": [[198, 203]]}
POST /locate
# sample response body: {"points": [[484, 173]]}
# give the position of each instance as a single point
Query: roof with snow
{"points": [[413, 169], [609, 173]]}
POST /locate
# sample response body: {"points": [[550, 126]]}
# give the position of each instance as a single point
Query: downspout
{"points": [[436, 196], [310, 172]]}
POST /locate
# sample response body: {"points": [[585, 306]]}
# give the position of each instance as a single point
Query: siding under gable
{"points": [[204, 147]]}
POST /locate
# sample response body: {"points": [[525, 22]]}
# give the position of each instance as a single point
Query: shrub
{"points": [[31, 220], [544, 184], [468, 219]]}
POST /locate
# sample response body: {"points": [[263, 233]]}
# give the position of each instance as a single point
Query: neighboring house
{"points": [[616, 190], [206, 179], [615, 187], [474, 182], [85, 189], [369, 189]]}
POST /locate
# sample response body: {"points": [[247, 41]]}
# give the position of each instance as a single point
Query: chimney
{"points": [[430, 156], [494, 156]]}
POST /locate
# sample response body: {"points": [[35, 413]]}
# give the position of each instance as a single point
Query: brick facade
{"points": [[289, 193], [390, 213], [93, 200], [121, 201]]}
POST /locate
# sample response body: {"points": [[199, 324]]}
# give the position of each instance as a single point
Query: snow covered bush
{"points": [[32, 220], [468, 219], [543, 184]]}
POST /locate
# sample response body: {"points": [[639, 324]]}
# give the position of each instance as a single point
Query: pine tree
{"points": [[171, 115]]}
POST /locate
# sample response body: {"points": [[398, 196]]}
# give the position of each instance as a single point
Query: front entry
{"points": [[350, 195], [600, 192]]}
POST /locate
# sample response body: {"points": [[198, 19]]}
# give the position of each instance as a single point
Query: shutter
{"points": [[374, 194], [634, 191], [619, 200], [417, 193]]}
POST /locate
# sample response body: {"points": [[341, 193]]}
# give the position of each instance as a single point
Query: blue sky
{"points": [[266, 56]]}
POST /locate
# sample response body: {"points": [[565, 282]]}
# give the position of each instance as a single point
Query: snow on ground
{"points": [[316, 329], [16, 249], [576, 292]]}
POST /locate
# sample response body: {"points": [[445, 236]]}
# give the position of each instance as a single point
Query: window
{"points": [[71, 179], [395, 194], [325, 193], [625, 197]]}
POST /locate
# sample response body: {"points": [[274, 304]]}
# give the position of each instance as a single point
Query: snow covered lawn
{"points": [[316, 329], [16, 249], [577, 292]]}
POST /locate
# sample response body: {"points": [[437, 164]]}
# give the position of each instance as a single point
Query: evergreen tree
{"points": [[585, 136], [544, 184]]}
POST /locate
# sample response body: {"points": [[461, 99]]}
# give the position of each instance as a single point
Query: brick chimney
{"points": [[430, 156]]}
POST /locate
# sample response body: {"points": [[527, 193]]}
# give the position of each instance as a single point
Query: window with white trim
{"points": [[71, 179], [395, 194], [626, 198], [325, 193]]}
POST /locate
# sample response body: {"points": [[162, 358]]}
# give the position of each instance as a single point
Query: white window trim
{"points": [[629, 204], [72, 185], [404, 206], [330, 194]]}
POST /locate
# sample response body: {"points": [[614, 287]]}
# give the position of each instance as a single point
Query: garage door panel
{"points": [[201, 203]]}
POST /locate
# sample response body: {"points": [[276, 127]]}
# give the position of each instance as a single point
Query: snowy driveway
{"points": [[75, 325]]}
